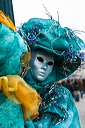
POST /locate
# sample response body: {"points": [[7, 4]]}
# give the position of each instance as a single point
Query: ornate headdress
{"points": [[49, 35]]}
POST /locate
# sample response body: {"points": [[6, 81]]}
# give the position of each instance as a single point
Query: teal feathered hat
{"points": [[12, 47], [49, 35]]}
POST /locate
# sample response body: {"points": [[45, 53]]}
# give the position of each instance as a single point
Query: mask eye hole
{"points": [[50, 63], [40, 59]]}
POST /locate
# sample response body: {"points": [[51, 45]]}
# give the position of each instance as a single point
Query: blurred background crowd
{"points": [[76, 82], [76, 86]]}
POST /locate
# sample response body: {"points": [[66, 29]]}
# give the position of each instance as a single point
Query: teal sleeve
{"points": [[58, 114]]}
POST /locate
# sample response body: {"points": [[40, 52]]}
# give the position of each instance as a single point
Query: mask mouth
{"points": [[42, 74]]}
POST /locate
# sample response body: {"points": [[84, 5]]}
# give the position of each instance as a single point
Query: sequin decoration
{"points": [[52, 102]]}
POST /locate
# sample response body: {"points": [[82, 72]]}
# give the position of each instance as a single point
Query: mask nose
{"points": [[44, 66]]}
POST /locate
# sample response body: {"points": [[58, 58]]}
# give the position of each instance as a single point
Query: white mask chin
{"points": [[41, 64]]}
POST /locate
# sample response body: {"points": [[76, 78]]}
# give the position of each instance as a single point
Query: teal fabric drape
{"points": [[58, 109]]}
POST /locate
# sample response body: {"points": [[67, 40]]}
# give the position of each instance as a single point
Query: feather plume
{"points": [[6, 21]]}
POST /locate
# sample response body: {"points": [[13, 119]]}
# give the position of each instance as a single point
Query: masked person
{"points": [[18, 100], [54, 56]]}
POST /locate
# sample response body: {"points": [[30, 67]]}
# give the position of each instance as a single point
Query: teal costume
{"points": [[10, 113], [58, 109], [12, 48]]}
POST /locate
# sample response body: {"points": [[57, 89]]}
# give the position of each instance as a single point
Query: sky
{"points": [[71, 13]]}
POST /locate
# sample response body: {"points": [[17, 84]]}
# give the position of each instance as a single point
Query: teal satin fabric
{"points": [[11, 115], [57, 110]]}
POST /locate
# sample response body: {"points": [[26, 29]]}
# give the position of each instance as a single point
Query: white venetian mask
{"points": [[41, 64]]}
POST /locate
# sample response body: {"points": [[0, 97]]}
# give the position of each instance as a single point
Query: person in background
{"points": [[81, 86], [63, 82], [76, 92], [69, 86], [83, 91], [54, 56]]}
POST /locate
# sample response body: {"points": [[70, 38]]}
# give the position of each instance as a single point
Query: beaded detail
{"points": [[55, 107]]}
